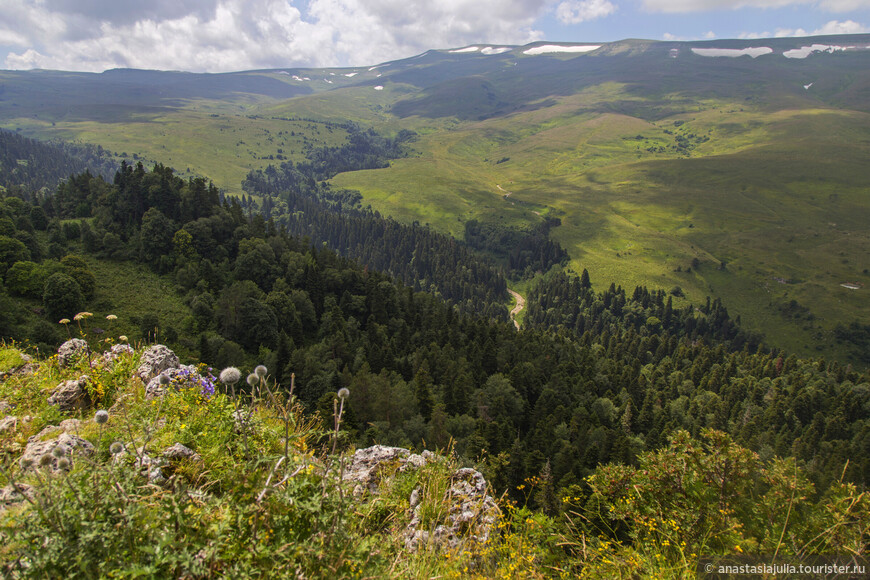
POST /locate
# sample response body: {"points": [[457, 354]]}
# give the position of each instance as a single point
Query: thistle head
{"points": [[253, 379], [45, 460], [116, 448], [261, 371], [101, 416], [163, 379], [63, 463], [343, 393], [230, 376], [58, 451], [26, 462]]}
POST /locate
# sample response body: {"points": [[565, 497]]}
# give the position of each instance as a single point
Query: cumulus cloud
{"points": [[832, 27], [681, 6], [577, 11], [223, 35]]}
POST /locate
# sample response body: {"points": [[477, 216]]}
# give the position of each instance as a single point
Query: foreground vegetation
{"points": [[262, 496]]}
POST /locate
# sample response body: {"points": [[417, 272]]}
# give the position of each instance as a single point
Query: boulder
{"points": [[8, 423], [71, 350], [369, 465], [179, 451], [116, 351], [155, 360], [11, 495], [70, 394], [472, 513], [72, 444], [179, 377]]}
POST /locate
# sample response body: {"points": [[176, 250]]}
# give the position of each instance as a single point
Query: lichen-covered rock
{"points": [[179, 451], [185, 376], [71, 394], [8, 423], [471, 514], [10, 496], [116, 351], [155, 360], [72, 445], [71, 350], [368, 466]]}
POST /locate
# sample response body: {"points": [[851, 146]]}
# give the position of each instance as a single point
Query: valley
{"points": [[666, 165]]}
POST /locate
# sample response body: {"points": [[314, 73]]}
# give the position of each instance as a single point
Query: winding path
{"points": [[521, 303]]}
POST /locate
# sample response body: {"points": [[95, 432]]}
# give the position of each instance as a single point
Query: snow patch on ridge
{"points": [[490, 50], [550, 48], [754, 51], [466, 49], [805, 51]]}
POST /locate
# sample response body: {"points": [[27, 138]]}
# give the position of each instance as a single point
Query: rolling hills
{"points": [[733, 168]]}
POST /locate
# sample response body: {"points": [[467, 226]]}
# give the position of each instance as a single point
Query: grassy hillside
{"points": [[661, 164]]}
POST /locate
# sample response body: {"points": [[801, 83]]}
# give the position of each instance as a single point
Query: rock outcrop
{"points": [[71, 350], [36, 450], [71, 394], [155, 360], [471, 512]]}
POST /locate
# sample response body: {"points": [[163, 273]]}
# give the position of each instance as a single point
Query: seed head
{"points": [[343, 393], [253, 379], [58, 451], [63, 463], [116, 447], [45, 460], [230, 376], [101, 417], [164, 379], [261, 371], [26, 462]]}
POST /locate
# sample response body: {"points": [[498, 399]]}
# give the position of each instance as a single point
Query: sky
{"points": [[230, 35]]}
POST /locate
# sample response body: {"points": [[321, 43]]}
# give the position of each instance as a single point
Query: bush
{"points": [[62, 296]]}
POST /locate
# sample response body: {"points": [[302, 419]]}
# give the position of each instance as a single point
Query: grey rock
{"points": [[155, 360], [116, 351], [8, 423], [71, 394], [71, 350], [472, 514], [184, 374], [72, 444], [9, 495], [5, 407], [369, 465], [179, 451]]}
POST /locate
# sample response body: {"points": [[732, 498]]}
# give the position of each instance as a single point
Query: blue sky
{"points": [[226, 35]]}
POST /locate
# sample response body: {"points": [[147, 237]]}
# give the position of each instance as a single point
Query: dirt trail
{"points": [[521, 303]]}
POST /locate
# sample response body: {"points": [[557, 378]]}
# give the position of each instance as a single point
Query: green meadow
{"points": [[726, 177]]}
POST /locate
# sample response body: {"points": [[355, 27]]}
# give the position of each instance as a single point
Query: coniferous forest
{"points": [[414, 324]]}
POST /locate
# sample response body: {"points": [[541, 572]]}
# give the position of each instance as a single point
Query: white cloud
{"points": [[847, 27], [223, 35], [577, 11], [832, 27], [681, 6]]}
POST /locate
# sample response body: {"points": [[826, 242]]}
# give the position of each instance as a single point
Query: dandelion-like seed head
{"points": [[101, 417], [163, 379], [111, 317], [63, 463], [116, 447], [123, 338], [45, 460], [343, 393], [253, 379], [58, 451], [63, 321], [261, 371], [26, 462], [81, 315], [230, 376]]}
